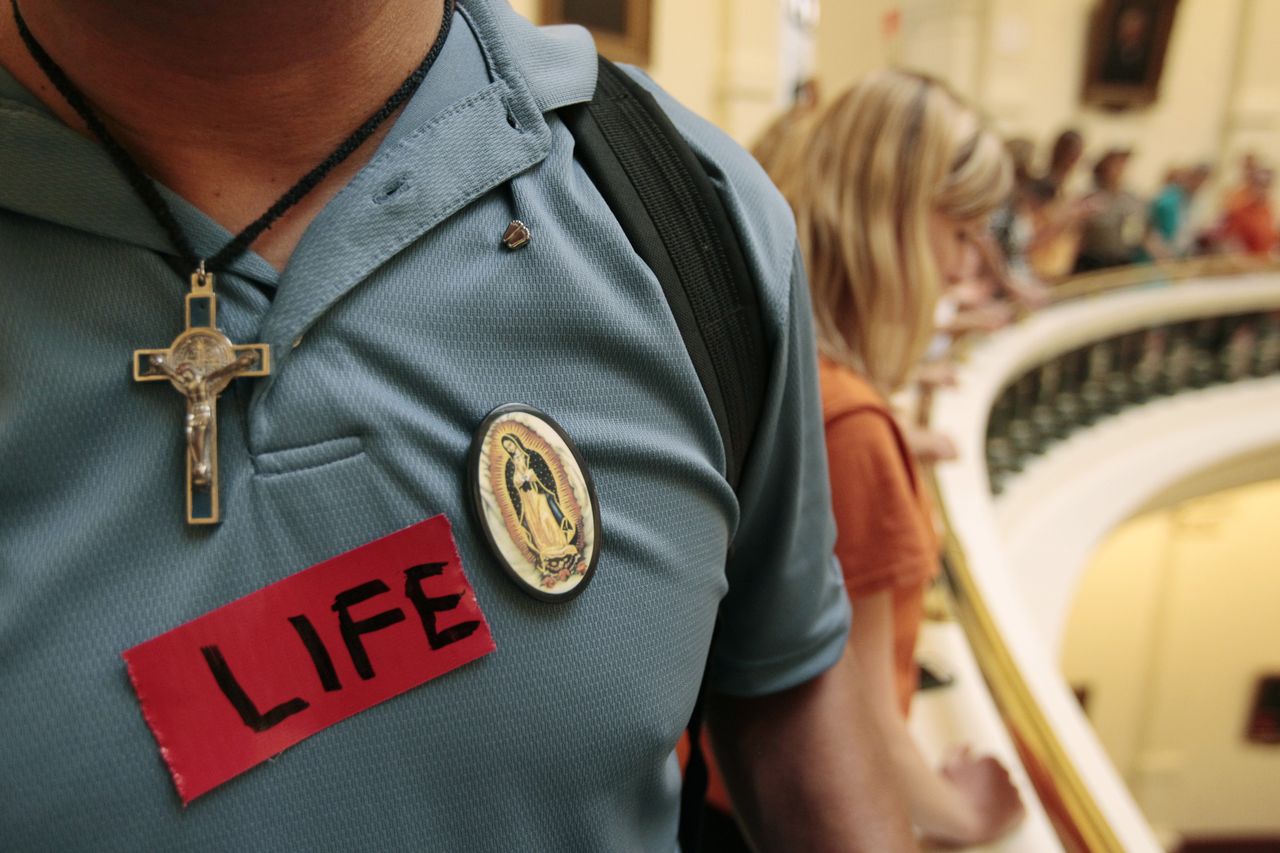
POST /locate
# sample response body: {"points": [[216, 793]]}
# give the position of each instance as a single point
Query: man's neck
{"points": [[229, 102]]}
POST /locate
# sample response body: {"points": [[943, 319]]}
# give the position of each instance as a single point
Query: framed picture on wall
{"points": [[620, 27], [1128, 40], [1263, 726]]}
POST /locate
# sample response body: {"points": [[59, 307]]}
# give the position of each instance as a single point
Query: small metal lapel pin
{"points": [[517, 235]]}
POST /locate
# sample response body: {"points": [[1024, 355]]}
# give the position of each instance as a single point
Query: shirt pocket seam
{"points": [[307, 457]]}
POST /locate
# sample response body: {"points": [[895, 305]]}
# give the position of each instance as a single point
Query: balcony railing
{"points": [[1110, 344]]}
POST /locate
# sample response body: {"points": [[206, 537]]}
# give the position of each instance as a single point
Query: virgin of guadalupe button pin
{"points": [[535, 503]]}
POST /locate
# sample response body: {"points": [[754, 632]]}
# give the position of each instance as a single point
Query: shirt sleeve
{"points": [[881, 538], [1164, 215], [785, 617]]}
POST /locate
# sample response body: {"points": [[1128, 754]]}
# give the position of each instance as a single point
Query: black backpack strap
{"points": [[677, 224]]}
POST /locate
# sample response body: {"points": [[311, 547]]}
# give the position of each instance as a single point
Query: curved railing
{"points": [[1126, 340]]}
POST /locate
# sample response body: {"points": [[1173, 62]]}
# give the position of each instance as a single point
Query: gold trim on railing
{"points": [[1079, 822], [1052, 771], [1165, 272]]}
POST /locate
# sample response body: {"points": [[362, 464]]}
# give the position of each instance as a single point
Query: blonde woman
{"points": [[892, 189]]}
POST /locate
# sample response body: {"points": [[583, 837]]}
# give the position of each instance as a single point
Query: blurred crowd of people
{"points": [[893, 185], [1068, 217], [1051, 227], [920, 226]]}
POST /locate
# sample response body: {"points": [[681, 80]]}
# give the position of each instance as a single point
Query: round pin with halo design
{"points": [[534, 500]]}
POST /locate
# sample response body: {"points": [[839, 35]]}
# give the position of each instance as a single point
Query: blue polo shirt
{"points": [[399, 322]]}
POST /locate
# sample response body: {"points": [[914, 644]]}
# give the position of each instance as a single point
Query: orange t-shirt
{"points": [[884, 520], [885, 538], [1250, 221]]}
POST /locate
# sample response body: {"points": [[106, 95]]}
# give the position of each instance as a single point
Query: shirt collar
{"points": [[558, 63], [437, 162], [472, 126]]}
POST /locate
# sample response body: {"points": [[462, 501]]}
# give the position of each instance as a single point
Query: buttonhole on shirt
{"points": [[392, 189], [511, 120]]}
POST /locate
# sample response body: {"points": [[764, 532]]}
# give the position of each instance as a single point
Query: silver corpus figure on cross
{"points": [[200, 364]]}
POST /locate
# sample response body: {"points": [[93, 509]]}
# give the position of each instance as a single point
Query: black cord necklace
{"points": [[146, 188], [202, 361]]}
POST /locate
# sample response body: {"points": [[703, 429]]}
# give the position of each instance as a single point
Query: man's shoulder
{"points": [[762, 217], [558, 64], [725, 159]]}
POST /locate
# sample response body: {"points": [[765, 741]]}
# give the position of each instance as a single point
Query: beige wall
{"points": [[720, 58], [1252, 119], [1176, 617], [1022, 62], [851, 41], [748, 92]]}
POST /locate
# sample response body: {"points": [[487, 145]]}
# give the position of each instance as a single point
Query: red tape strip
{"points": [[232, 688]]}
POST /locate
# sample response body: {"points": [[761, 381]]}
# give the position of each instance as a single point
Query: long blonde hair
{"points": [[863, 182], [780, 147]]}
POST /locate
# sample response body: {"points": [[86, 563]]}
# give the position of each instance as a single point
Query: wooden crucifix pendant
{"points": [[200, 363]]}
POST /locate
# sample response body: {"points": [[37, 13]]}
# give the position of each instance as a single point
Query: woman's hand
{"points": [[929, 446], [985, 785]]}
